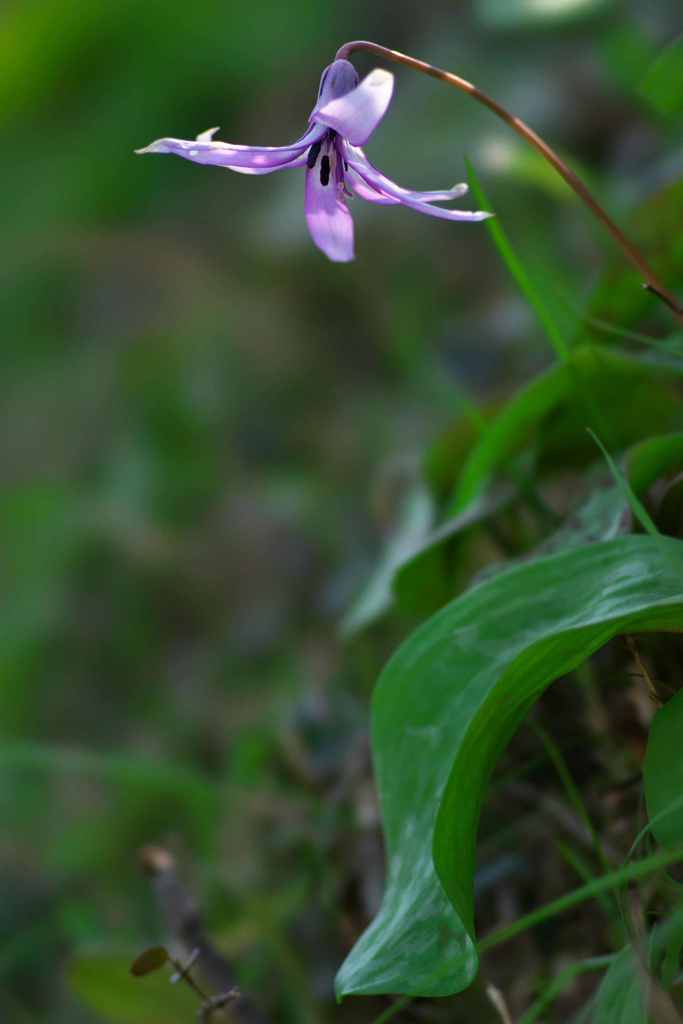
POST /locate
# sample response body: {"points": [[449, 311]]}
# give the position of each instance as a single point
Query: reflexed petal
{"points": [[365, 191], [419, 201], [203, 150], [356, 115], [298, 161], [337, 79], [444, 196], [328, 218]]}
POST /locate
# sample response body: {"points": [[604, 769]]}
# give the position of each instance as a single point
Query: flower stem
{"points": [[651, 283]]}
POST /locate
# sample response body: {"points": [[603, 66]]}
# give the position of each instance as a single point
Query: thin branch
{"points": [[184, 922]]}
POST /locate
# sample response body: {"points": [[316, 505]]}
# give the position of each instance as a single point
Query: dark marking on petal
{"points": [[325, 170], [313, 155]]}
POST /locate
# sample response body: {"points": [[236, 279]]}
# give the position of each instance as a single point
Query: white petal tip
{"points": [[380, 77], [208, 135], [154, 147]]}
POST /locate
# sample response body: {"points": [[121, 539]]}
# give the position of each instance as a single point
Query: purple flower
{"points": [[343, 119]]}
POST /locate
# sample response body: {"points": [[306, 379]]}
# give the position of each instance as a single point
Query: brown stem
{"points": [[652, 282]]}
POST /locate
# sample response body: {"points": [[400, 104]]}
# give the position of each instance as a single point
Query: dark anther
{"points": [[325, 170], [313, 155]]}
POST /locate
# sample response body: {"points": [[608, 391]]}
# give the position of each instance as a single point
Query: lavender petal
{"points": [[338, 78], [356, 114], [365, 191], [328, 218], [413, 200], [203, 150], [298, 161]]}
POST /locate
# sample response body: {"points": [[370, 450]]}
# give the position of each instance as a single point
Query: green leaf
{"points": [[426, 580], [663, 773], [662, 86], [599, 517], [620, 397], [414, 522], [619, 298], [104, 983], [445, 707], [654, 458], [622, 996]]}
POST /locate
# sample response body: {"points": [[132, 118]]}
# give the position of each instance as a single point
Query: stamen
{"points": [[313, 155], [325, 170]]}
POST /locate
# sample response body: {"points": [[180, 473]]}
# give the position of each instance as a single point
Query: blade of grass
{"points": [[636, 505], [571, 789], [606, 883], [516, 267], [559, 983]]}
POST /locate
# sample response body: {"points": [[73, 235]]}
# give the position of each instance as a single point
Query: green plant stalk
{"points": [[613, 880], [652, 282], [576, 863]]}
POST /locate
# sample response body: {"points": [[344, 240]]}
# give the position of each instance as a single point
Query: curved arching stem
{"points": [[651, 283]]}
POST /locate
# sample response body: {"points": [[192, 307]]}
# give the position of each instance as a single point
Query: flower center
{"points": [[331, 160], [313, 155]]}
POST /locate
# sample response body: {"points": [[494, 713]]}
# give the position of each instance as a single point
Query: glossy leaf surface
{"points": [[663, 773], [445, 707]]}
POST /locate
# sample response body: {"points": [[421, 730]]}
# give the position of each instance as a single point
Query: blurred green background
{"points": [[207, 426]]}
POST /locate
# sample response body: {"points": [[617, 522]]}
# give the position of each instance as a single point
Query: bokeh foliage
{"points": [[210, 433]]}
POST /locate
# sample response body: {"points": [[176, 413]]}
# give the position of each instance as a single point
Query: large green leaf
{"points": [[104, 983], [620, 397], [663, 773], [633, 989], [423, 580], [415, 519], [445, 707], [656, 457], [663, 83], [622, 996]]}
